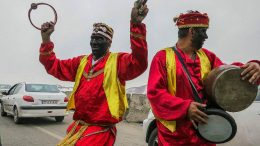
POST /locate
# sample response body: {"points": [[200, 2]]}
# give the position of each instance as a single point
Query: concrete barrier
{"points": [[138, 108]]}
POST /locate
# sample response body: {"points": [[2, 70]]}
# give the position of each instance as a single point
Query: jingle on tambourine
{"points": [[34, 6]]}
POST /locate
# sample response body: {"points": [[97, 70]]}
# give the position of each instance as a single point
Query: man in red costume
{"points": [[98, 97], [170, 92]]}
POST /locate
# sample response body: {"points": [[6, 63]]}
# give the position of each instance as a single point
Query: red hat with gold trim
{"points": [[192, 19]]}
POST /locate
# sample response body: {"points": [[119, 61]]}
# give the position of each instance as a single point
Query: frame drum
{"points": [[226, 89], [221, 127]]}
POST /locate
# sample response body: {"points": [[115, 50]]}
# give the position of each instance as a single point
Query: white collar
{"points": [[94, 62]]}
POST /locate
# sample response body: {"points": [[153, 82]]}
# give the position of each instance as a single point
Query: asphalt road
{"points": [[46, 132]]}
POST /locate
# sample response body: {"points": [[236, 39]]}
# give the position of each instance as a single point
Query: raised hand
{"points": [[46, 31], [139, 11]]}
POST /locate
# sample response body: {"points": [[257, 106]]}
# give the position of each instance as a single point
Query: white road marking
{"points": [[50, 133]]}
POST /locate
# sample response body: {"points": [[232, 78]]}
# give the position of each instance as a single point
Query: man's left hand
{"points": [[139, 11], [251, 72]]}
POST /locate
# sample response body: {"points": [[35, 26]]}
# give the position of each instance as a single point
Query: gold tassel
{"points": [[71, 138]]}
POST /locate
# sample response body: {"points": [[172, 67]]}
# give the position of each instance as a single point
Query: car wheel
{"points": [[3, 113], [17, 119], [59, 118], [153, 139]]}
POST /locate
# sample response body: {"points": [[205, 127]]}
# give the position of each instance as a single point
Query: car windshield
{"points": [[41, 88], [3, 86]]}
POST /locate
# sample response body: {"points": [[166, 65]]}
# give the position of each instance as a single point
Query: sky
{"points": [[234, 32]]}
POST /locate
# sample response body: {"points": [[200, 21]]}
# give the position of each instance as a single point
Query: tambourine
{"points": [[34, 6], [221, 126], [226, 89]]}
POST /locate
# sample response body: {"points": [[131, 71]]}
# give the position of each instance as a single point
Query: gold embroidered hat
{"points": [[103, 29]]}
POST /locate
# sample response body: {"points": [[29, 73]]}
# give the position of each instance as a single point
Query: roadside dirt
{"points": [[130, 134]]}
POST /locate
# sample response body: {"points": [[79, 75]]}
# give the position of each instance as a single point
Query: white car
{"points": [[4, 87], [150, 130], [248, 127], [34, 100]]}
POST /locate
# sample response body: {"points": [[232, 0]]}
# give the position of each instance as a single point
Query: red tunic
{"points": [[170, 107], [90, 99]]}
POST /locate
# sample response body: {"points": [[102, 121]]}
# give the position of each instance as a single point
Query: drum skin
{"points": [[221, 127], [225, 88]]}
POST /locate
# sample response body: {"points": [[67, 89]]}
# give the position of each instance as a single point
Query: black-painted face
{"points": [[198, 37], [99, 45]]}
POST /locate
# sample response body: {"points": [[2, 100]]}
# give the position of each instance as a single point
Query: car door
{"points": [[14, 96], [8, 100]]}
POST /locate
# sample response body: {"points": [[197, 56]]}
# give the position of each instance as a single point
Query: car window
{"points": [[11, 91], [17, 88], [3, 86], [41, 88], [258, 94], [257, 97]]}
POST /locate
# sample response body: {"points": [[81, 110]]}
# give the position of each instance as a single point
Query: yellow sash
{"points": [[83, 62], [114, 90], [171, 77]]}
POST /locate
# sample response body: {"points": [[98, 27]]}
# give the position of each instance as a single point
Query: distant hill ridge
{"points": [[137, 90]]}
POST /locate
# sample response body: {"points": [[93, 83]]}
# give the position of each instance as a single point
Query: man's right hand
{"points": [[46, 31], [195, 114]]}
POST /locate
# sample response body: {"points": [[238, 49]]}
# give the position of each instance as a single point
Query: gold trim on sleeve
{"points": [[136, 35], [46, 53]]}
